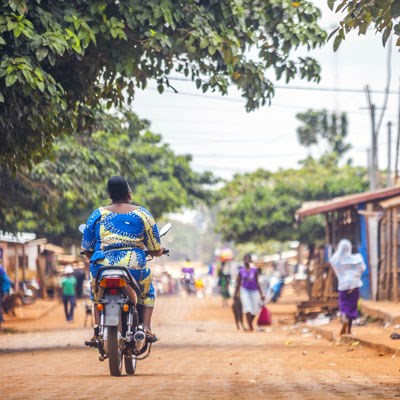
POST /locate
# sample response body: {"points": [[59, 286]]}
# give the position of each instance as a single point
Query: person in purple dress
{"points": [[348, 268], [249, 289]]}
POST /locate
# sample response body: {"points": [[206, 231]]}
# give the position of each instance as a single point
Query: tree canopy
{"points": [[261, 206], [320, 125], [384, 15], [61, 60], [58, 194]]}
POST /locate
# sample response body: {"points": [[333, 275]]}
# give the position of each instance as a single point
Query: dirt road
{"points": [[201, 356]]}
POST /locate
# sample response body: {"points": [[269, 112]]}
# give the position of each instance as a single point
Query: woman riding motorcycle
{"points": [[119, 234]]}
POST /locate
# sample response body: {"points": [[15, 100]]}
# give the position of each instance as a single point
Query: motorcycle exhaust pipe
{"points": [[140, 339]]}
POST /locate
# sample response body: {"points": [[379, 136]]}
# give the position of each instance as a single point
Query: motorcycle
{"points": [[29, 291], [121, 337], [188, 284], [27, 294]]}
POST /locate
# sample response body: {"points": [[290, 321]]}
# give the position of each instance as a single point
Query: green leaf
{"points": [[385, 35], [10, 80], [1, 98], [395, 9], [337, 42], [331, 4], [333, 33], [203, 43], [40, 85], [41, 53]]}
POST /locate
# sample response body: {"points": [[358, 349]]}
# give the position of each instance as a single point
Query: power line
{"points": [[310, 88], [233, 100], [206, 139], [213, 155]]}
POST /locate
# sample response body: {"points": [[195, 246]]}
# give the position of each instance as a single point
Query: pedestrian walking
{"points": [[224, 282], [348, 268], [249, 289], [68, 290], [5, 286]]}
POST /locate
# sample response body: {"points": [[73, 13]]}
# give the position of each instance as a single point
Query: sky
{"points": [[223, 138]]}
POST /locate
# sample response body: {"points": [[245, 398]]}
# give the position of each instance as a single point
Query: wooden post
{"points": [[388, 255], [16, 266], [333, 222], [394, 257], [382, 260], [23, 263], [41, 266], [327, 230]]}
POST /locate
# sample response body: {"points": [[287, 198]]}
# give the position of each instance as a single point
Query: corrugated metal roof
{"points": [[389, 203], [20, 237], [53, 248], [320, 207]]}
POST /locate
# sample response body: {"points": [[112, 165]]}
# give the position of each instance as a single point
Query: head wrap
{"points": [[343, 256]]}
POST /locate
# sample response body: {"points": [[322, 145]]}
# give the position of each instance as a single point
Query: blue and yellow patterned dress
{"points": [[121, 239]]}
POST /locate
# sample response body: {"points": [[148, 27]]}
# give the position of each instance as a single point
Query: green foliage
{"points": [[360, 15], [261, 206], [319, 125], [58, 194], [260, 249], [61, 60]]}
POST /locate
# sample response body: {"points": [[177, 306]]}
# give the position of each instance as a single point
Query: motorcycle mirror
{"points": [[82, 228], [165, 229]]}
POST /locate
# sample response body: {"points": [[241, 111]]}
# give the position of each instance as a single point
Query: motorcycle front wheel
{"points": [[114, 351], [130, 365]]}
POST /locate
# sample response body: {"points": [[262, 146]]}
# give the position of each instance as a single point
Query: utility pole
{"points": [[369, 166], [389, 168], [374, 184], [396, 160]]}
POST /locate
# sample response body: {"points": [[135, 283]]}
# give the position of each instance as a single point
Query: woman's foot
{"points": [[343, 331], [151, 337]]}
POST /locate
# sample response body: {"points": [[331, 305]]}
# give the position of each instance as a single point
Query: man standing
{"points": [[68, 289]]}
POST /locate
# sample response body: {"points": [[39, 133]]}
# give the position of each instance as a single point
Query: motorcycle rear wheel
{"points": [[130, 365], [114, 351]]}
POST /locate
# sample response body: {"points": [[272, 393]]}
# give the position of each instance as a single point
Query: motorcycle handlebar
{"points": [[165, 251]]}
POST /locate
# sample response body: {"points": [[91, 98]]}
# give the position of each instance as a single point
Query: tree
{"points": [[58, 194], [359, 15], [318, 126], [261, 206], [61, 60]]}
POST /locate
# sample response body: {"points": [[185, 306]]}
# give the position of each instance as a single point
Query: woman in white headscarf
{"points": [[348, 268]]}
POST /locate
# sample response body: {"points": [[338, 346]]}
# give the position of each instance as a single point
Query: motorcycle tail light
{"points": [[112, 283], [125, 307]]}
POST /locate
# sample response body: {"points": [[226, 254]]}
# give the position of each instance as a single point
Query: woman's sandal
{"points": [[151, 337]]}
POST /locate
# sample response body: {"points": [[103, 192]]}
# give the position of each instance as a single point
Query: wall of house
{"points": [[32, 253], [365, 290], [3, 255]]}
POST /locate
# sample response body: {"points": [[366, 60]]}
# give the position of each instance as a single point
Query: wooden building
{"points": [[19, 253], [370, 221]]}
